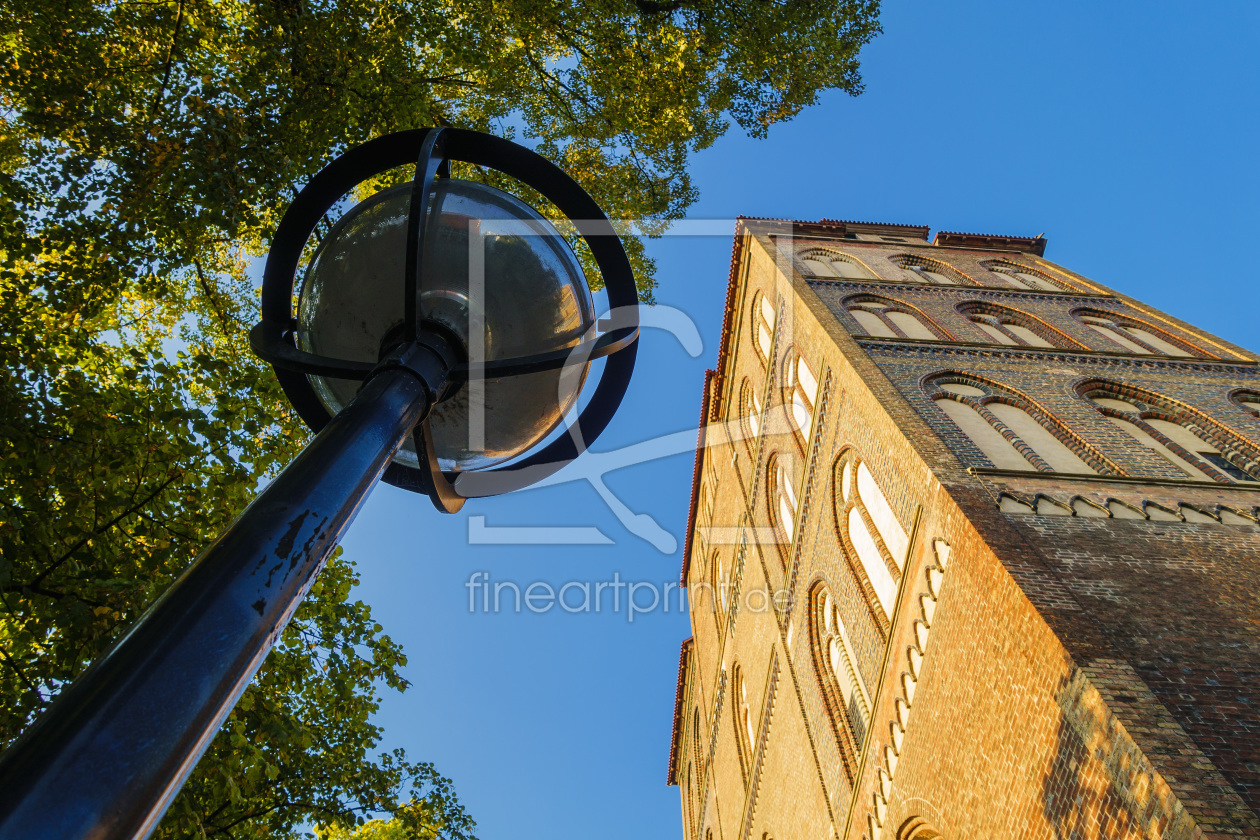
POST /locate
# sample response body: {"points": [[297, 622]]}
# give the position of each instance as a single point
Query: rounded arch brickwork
{"points": [[917, 828], [992, 392], [864, 538], [1247, 399], [798, 386], [826, 257], [891, 305], [1055, 337], [822, 636], [751, 413], [1018, 275], [953, 276], [1121, 323], [1237, 451], [742, 718], [782, 500], [761, 322]]}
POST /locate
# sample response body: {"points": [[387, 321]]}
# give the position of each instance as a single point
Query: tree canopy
{"points": [[147, 149]]}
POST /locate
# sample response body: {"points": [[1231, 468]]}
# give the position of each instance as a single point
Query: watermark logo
{"points": [[615, 595], [592, 467]]}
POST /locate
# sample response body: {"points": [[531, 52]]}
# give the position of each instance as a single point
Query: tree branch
{"points": [[166, 71], [82, 542], [214, 304], [17, 669]]}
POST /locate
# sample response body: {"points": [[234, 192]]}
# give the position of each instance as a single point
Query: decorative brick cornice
{"points": [[995, 292], [759, 752], [920, 348], [812, 457]]}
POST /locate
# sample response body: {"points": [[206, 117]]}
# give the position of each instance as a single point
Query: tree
{"points": [[148, 148]]}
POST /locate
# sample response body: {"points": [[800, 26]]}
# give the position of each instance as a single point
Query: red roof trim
{"points": [[696, 474], [684, 657], [1026, 244], [921, 230], [728, 316]]}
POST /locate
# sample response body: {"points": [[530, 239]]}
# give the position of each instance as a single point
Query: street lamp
{"points": [[443, 335]]}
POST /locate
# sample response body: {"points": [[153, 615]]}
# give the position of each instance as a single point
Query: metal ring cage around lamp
{"points": [[276, 337]]}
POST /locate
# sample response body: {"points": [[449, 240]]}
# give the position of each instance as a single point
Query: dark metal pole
{"points": [[105, 761]]}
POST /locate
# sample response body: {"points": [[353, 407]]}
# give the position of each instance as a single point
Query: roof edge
{"points": [[684, 658], [1025, 244], [696, 474]]}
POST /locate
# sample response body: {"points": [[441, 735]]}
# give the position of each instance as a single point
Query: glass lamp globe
{"points": [[497, 276]]}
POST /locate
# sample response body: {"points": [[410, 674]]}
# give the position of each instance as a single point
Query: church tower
{"points": [[972, 553]]}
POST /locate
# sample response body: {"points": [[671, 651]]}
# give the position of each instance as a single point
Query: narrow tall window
{"points": [[697, 748], [869, 316], [848, 269], [998, 450], [689, 796], [1110, 331], [873, 534], [751, 409], [743, 722], [717, 583], [882, 318], [832, 264], [803, 387], [1131, 335], [1008, 436], [783, 498], [818, 267], [928, 275], [1023, 278], [763, 331], [886, 523], [1008, 326], [1174, 442], [1052, 450], [846, 697], [868, 553]]}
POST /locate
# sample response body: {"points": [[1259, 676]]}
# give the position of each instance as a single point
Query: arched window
{"points": [[1248, 401], [802, 388], [1133, 335], [1180, 441], [689, 797], [887, 318], [926, 275], [697, 748], [822, 263], [750, 410], [763, 326], [916, 828], [782, 498], [1022, 277], [916, 269], [871, 533], [848, 702], [717, 585], [743, 722], [1004, 432], [1014, 328]]}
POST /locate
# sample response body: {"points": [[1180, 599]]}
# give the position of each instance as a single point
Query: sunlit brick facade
{"points": [[973, 553]]}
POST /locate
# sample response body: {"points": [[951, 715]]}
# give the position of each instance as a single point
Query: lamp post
{"points": [[444, 330]]}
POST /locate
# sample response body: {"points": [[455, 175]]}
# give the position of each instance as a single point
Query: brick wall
{"points": [[1081, 675]]}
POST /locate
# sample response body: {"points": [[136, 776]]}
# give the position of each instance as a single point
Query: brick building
{"points": [[973, 552]]}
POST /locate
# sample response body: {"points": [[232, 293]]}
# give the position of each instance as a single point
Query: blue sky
{"points": [[1127, 132]]}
